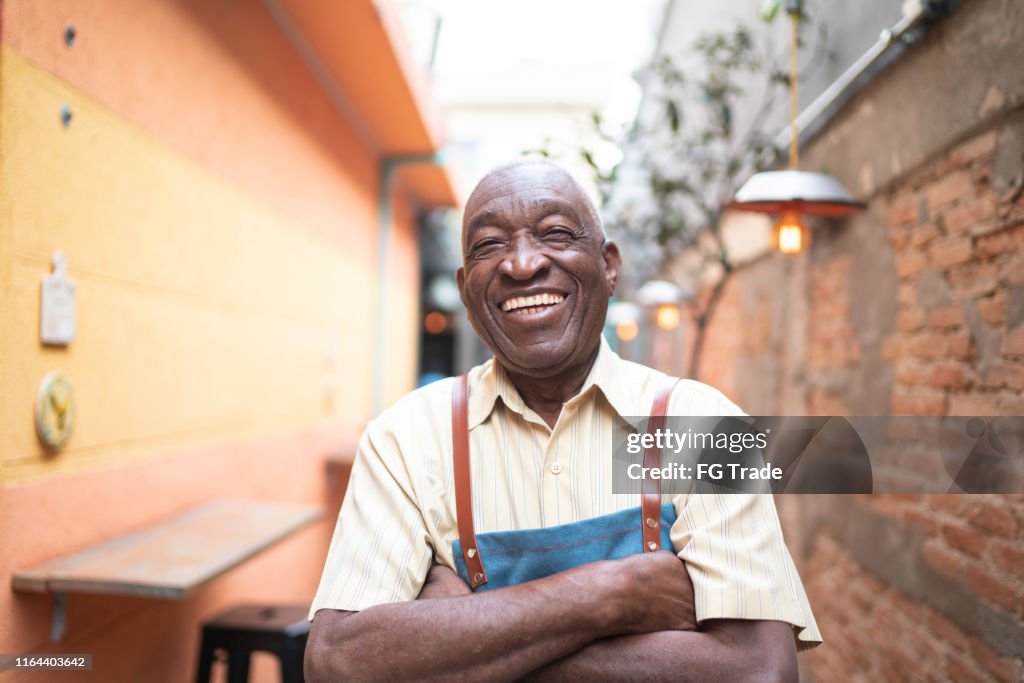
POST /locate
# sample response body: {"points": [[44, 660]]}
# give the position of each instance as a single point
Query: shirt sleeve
{"points": [[733, 546], [738, 562], [380, 552]]}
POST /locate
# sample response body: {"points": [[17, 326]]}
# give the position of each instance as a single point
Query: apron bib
{"points": [[513, 557]]}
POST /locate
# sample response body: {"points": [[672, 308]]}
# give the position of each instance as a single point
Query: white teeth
{"points": [[531, 301]]}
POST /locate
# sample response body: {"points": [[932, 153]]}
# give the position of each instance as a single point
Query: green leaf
{"points": [[770, 8], [673, 114]]}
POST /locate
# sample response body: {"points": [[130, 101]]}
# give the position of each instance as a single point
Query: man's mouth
{"points": [[525, 305]]}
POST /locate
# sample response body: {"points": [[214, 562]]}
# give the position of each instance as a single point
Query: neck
{"points": [[546, 395]]}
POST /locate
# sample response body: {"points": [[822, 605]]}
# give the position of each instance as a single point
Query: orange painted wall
{"points": [[220, 221], [218, 82]]}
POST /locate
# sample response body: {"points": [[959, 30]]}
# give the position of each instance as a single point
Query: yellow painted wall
{"points": [[220, 221], [202, 314]]}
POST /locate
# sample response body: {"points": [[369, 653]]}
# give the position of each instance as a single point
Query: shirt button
{"points": [[556, 469]]}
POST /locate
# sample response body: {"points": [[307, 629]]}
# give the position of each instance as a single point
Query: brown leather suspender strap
{"points": [[650, 503], [463, 482]]}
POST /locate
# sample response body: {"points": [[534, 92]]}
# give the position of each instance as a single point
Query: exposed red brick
{"points": [[946, 503], [964, 539], [1003, 242], [921, 402], [964, 671], [907, 294], [904, 664], [951, 188], [922, 519], [949, 376], [950, 251], [904, 210], [973, 404], [1013, 270], [1004, 669], [995, 589], [1013, 343], [899, 238], [892, 348], [910, 373], [1009, 403], [959, 345], [945, 630], [910, 319], [946, 316], [1008, 558], [973, 279], [942, 560], [922, 235], [927, 345], [995, 519], [910, 264], [993, 309], [1005, 375], [973, 218]]}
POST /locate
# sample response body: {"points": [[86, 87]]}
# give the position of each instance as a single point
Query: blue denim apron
{"points": [[513, 557]]}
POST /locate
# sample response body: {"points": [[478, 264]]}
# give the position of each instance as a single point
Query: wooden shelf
{"points": [[170, 559]]}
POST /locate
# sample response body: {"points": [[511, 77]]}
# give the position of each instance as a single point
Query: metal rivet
{"points": [[69, 35], [651, 545], [478, 577], [65, 114], [471, 553], [651, 523]]}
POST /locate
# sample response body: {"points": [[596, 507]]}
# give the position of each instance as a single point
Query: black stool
{"points": [[279, 629]]}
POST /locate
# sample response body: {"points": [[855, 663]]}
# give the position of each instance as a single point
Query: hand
{"points": [[442, 582], [655, 593]]}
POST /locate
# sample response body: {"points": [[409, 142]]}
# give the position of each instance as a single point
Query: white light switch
{"points": [[57, 312]]}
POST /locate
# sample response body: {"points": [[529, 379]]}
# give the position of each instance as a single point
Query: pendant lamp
{"points": [[793, 193]]}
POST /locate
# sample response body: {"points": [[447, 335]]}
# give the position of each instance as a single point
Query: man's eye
{"points": [[560, 234], [484, 246]]}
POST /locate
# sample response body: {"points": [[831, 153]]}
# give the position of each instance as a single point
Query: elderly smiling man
{"points": [[480, 538]]}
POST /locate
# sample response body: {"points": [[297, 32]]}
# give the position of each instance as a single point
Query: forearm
{"points": [[494, 636], [728, 651]]}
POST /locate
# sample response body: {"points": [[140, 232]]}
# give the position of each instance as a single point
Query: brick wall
{"points": [[958, 346], [913, 307], [905, 587]]}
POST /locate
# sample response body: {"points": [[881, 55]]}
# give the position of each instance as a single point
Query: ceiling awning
{"points": [[360, 46]]}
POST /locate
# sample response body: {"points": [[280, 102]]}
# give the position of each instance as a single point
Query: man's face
{"points": [[537, 273]]}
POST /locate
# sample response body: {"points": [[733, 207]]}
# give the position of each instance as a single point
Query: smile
{"points": [[531, 304]]}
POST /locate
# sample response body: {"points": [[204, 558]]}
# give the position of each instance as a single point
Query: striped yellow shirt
{"points": [[399, 512]]}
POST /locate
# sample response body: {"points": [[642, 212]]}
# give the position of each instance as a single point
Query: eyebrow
{"points": [[548, 207], [482, 218], [542, 208]]}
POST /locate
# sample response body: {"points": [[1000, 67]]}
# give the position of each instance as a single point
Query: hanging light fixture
{"points": [[793, 193]]}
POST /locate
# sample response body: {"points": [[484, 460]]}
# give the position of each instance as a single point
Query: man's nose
{"points": [[524, 260]]}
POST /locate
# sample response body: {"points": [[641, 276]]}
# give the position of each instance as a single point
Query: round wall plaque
{"points": [[55, 411]]}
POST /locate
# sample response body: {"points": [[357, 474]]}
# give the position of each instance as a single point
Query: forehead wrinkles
{"points": [[509, 199]]}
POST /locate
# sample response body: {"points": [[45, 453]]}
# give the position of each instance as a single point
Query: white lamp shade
{"points": [[812, 194]]}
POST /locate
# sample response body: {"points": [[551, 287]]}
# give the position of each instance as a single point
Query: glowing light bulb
{"points": [[627, 330], [667, 316], [791, 234]]}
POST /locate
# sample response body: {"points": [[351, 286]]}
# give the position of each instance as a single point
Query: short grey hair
{"points": [[509, 167]]}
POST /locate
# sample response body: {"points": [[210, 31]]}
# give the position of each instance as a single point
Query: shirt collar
{"points": [[489, 382]]}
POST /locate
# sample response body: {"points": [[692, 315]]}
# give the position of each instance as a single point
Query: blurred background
{"points": [[228, 231]]}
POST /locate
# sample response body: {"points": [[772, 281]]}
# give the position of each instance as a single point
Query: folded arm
{"points": [[500, 635], [723, 650]]}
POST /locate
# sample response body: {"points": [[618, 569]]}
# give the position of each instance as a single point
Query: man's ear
{"points": [[612, 264], [460, 279]]}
